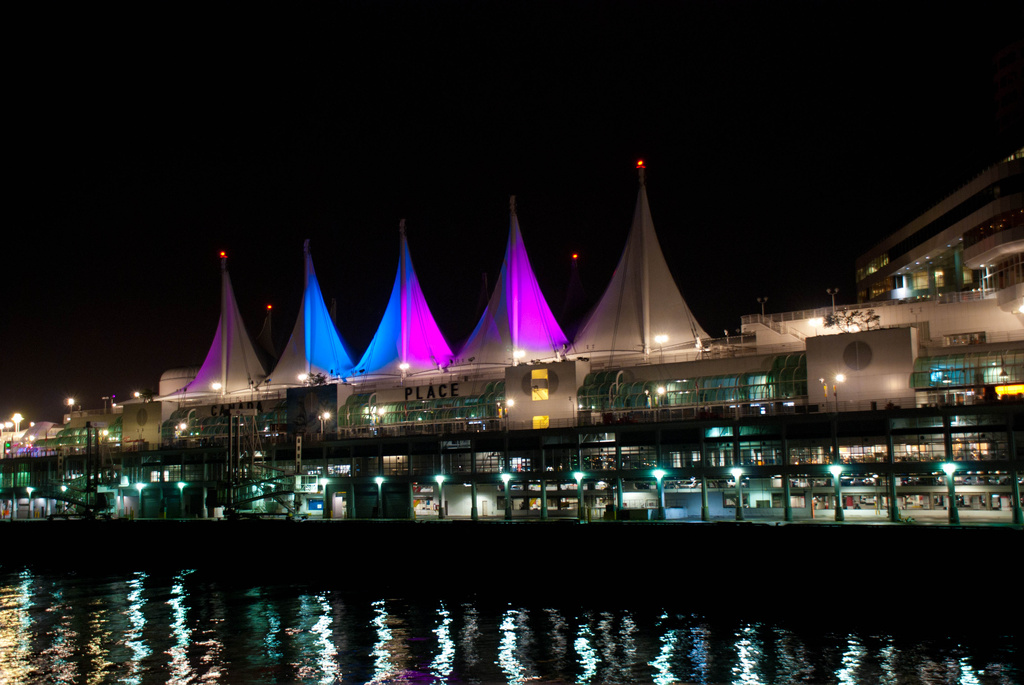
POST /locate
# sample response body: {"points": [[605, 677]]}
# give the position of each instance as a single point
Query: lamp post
{"points": [[323, 418], [63, 489], [659, 475], [323, 490], [509, 403], [761, 301], [954, 513], [71, 408], [505, 478], [139, 487], [840, 378], [661, 339], [440, 496], [837, 484], [833, 292], [30, 490], [181, 500], [578, 475], [380, 499], [736, 473]]}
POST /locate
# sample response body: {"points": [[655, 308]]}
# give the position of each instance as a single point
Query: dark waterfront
{"points": [[596, 603], [194, 626]]}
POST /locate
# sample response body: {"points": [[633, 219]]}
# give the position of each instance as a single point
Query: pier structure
{"points": [[881, 465]]}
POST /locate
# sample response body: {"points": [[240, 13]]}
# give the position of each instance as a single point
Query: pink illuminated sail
{"points": [[517, 324], [642, 308], [407, 335], [232, 364], [314, 346]]}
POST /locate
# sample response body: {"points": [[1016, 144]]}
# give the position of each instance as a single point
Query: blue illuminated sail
{"points": [[315, 347]]}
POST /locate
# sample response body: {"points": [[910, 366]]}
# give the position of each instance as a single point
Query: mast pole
{"points": [[223, 322], [645, 287], [404, 292], [512, 277]]}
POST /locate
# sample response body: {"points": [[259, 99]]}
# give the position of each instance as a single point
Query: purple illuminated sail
{"points": [[642, 308], [517, 324], [232, 364], [407, 335], [314, 346]]}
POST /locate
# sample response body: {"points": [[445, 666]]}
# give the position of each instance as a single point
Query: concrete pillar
{"points": [[705, 510], [543, 499], [787, 504], [543, 485], [1011, 448], [894, 510]]}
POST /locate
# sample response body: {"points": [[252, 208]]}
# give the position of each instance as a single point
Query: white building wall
{"points": [[876, 365]]}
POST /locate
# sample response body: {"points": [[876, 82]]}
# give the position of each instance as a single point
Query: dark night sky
{"points": [[781, 140]]}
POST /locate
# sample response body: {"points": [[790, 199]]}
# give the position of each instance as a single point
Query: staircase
{"points": [[259, 482]]}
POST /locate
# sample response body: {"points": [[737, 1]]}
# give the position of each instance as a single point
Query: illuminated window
{"points": [[539, 384], [541, 421]]}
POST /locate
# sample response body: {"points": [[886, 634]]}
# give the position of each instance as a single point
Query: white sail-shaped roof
{"points": [[314, 346], [517, 323], [642, 302], [408, 340], [232, 364]]}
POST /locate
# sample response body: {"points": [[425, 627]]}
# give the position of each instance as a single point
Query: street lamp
{"points": [[323, 489], [954, 513], [736, 473], [835, 470], [833, 292], [505, 478], [658, 475], [380, 499], [761, 301], [323, 418], [139, 487], [661, 340], [181, 500], [440, 496], [30, 490], [840, 378], [578, 475]]}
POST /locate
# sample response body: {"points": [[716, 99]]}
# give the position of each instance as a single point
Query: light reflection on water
{"points": [[192, 627]]}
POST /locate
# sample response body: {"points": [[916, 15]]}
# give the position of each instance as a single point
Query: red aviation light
{"points": [[575, 256], [269, 307], [640, 164], [223, 254]]}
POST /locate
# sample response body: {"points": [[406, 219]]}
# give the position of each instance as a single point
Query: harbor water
{"points": [[193, 626]]}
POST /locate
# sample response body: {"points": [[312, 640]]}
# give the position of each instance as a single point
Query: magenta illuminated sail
{"points": [[232, 364], [517, 324], [315, 346], [408, 340], [642, 308]]}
